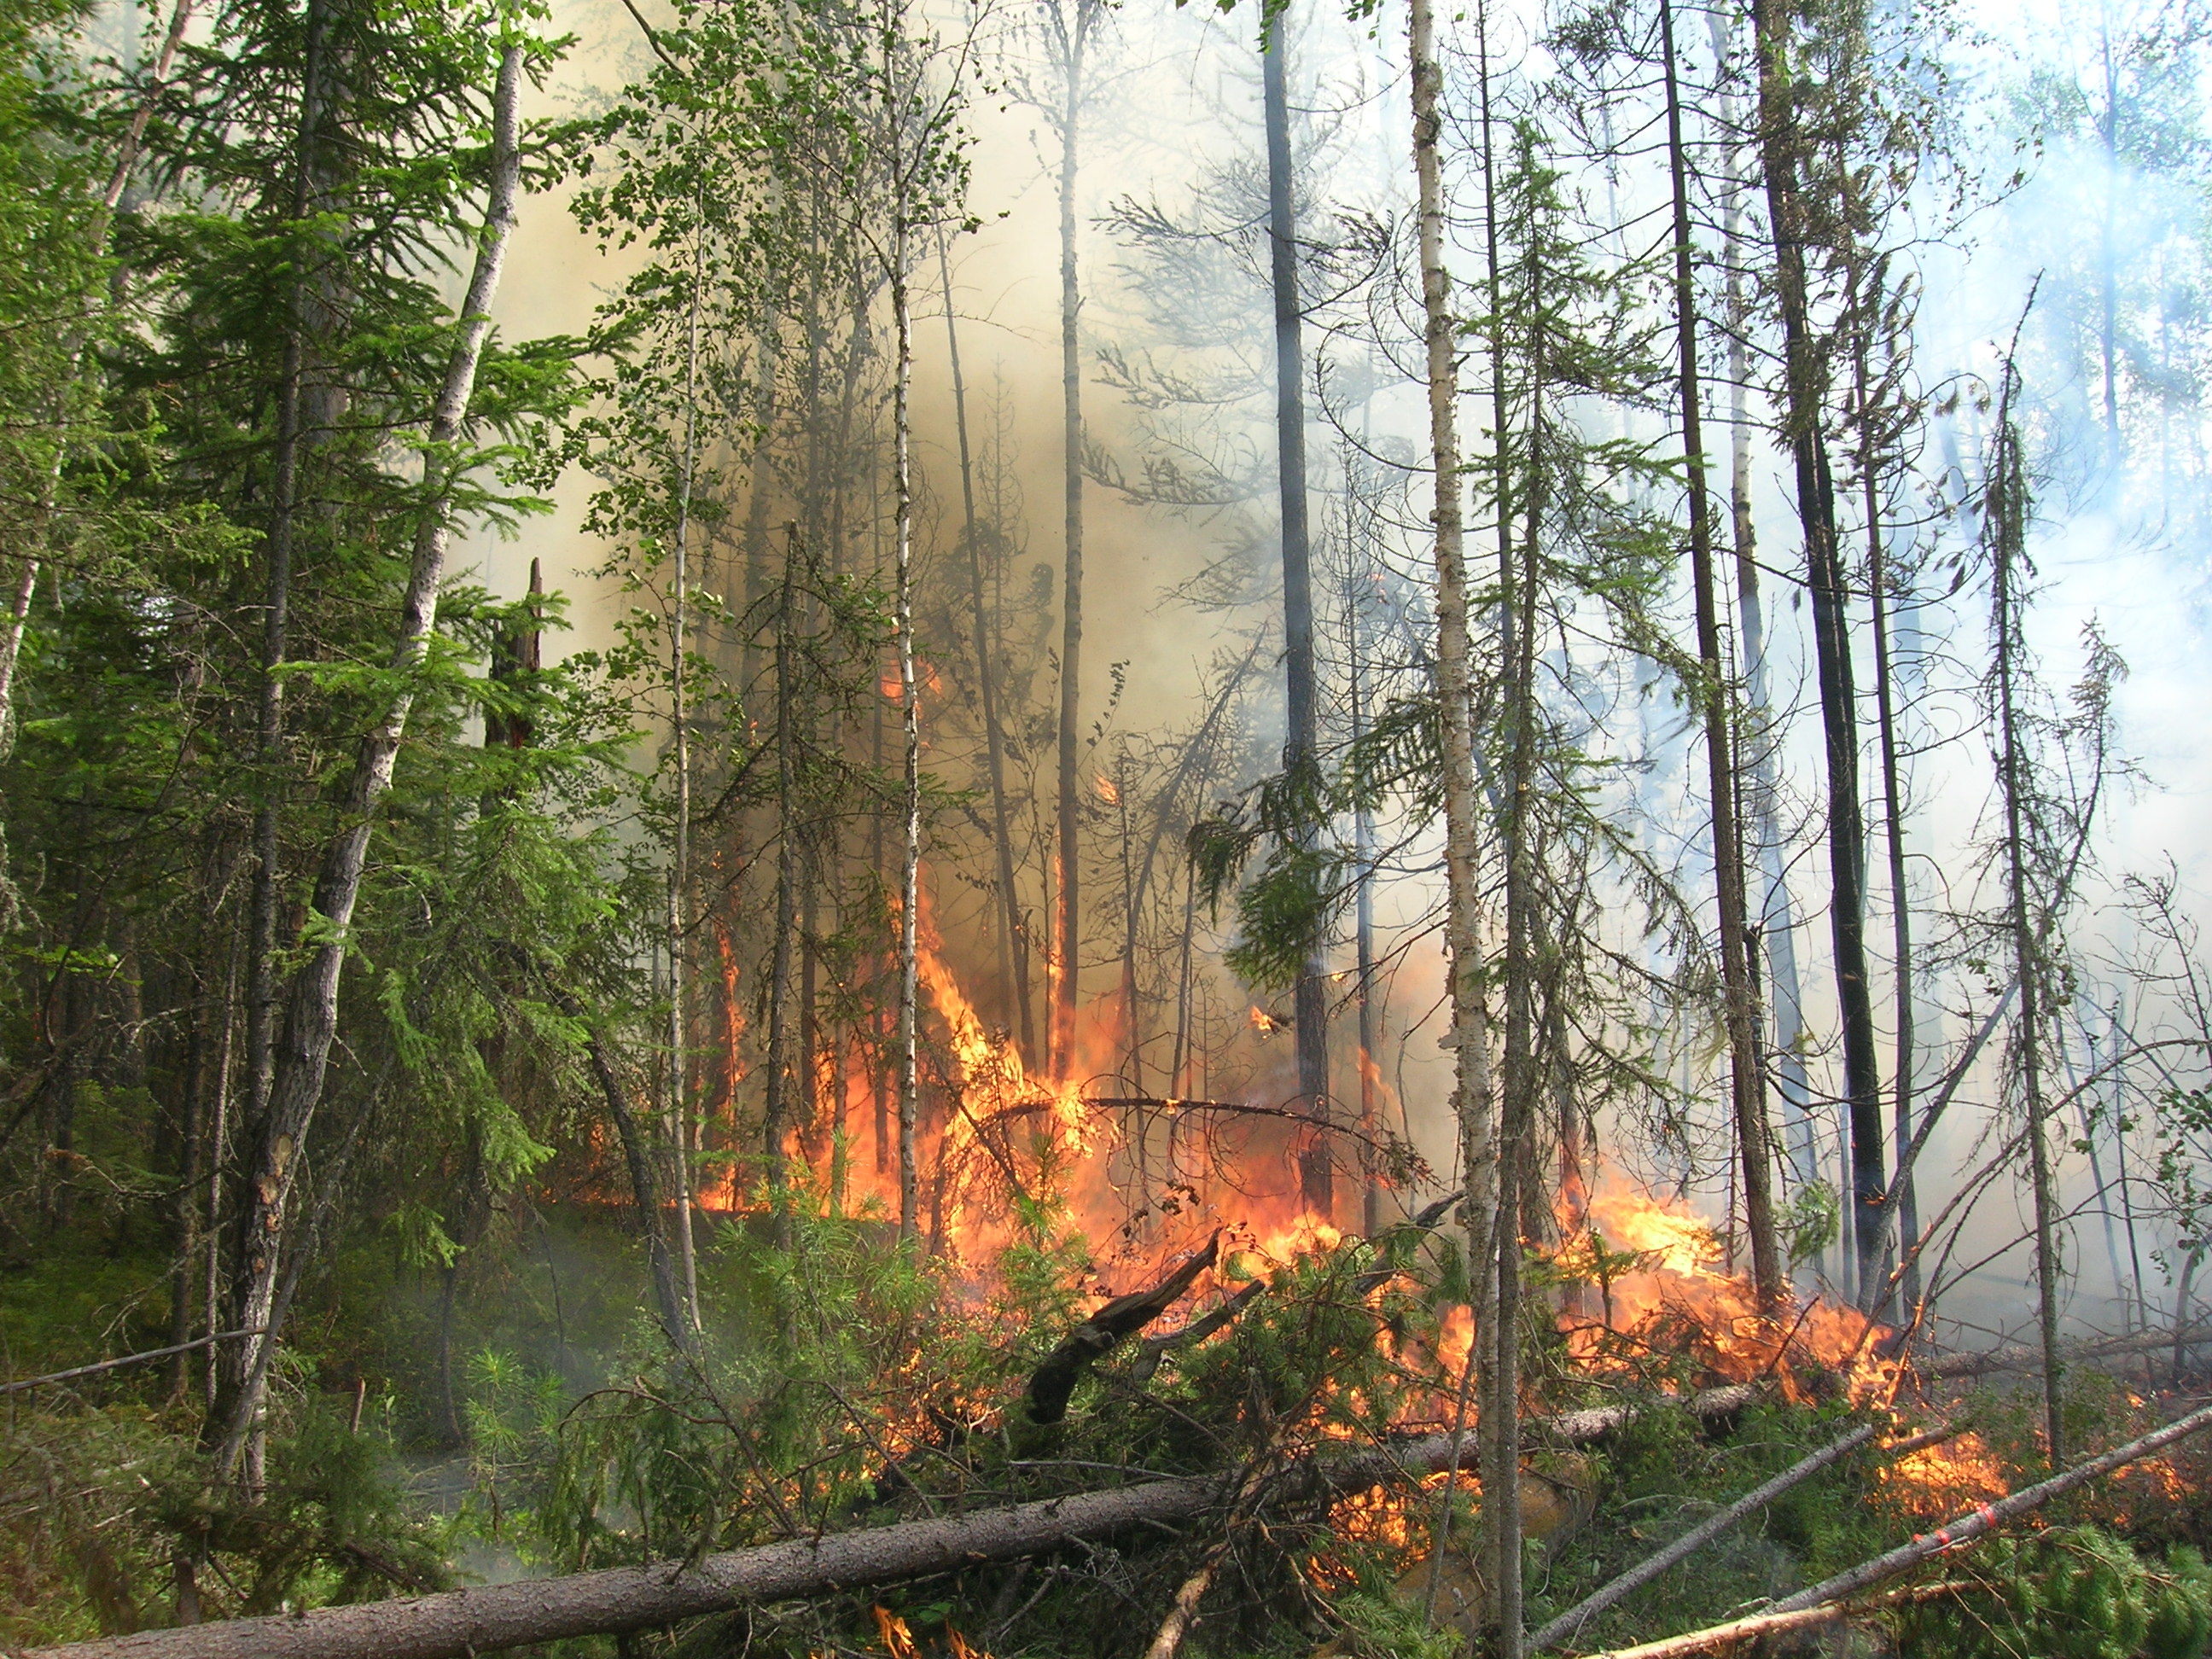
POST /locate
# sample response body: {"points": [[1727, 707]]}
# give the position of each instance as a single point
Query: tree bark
{"points": [[780, 1082], [1903, 1196], [1776, 928], [1469, 1035], [1064, 962], [259, 1223], [301, 1059], [2008, 518], [1301, 741], [675, 1125], [1746, 1092], [909, 1075], [1781, 143], [646, 1201]]}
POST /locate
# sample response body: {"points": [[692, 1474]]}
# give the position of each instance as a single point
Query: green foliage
{"points": [[1386, 1627], [330, 1527], [1662, 1474], [1813, 1221], [2070, 1593]]}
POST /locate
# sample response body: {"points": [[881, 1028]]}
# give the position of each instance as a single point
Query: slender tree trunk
{"points": [[11, 644], [777, 1114], [987, 679], [1777, 927], [2108, 284], [910, 1076], [1133, 899], [1064, 962], [204, 1083], [1520, 572], [646, 1198], [300, 1060], [675, 1107], [1903, 1195], [761, 504], [218, 1155], [1179, 1069], [2009, 522], [1362, 851], [260, 1223], [1780, 145], [1469, 1033], [1301, 740], [1746, 1092]]}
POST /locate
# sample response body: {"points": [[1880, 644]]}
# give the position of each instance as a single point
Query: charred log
{"points": [[1054, 1382]]}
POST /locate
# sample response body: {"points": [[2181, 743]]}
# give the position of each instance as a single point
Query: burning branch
{"points": [[1829, 1601], [1156, 1348], [1055, 1380]]}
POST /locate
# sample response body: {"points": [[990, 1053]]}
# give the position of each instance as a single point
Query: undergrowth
{"points": [[844, 1381]]}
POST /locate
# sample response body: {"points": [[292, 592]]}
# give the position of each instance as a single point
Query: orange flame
{"points": [[898, 1640], [1660, 1276], [1940, 1480]]}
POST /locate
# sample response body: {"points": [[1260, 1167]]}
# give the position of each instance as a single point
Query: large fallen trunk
{"points": [[468, 1622], [2019, 1358]]}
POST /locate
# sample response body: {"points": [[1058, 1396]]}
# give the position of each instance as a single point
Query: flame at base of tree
{"points": [[1642, 1286]]}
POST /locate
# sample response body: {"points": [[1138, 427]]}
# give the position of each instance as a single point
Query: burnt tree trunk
{"points": [[1301, 744], [1804, 421]]}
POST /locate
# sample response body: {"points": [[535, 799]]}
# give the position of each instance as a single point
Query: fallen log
{"points": [[483, 1619], [1650, 1567], [1988, 1517], [1556, 1633], [1761, 1625], [2019, 1358]]}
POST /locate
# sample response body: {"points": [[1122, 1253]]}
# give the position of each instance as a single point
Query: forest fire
{"points": [[1650, 1289], [1942, 1479], [898, 1639], [1663, 1289], [798, 897]]}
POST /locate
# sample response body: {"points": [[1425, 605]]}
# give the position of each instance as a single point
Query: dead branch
{"points": [[1775, 1624], [1156, 1348], [1990, 1516], [74, 1373], [1696, 1539], [1055, 1380]]}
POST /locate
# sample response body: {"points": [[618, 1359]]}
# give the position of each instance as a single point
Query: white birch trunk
{"points": [[310, 1016]]}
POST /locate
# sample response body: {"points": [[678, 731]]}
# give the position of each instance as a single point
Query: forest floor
{"points": [[378, 1463]]}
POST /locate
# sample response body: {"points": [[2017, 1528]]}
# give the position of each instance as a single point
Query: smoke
{"points": [[1176, 596]]}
